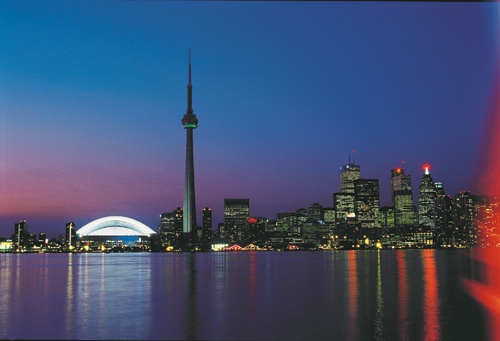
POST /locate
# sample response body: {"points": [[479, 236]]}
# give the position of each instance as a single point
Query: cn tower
{"points": [[189, 122]]}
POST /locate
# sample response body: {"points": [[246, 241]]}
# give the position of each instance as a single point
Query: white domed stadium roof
{"points": [[115, 226]]}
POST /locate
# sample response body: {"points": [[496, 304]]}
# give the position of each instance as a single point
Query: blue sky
{"points": [[92, 94]]}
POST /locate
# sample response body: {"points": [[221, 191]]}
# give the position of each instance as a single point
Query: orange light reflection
{"points": [[432, 330]]}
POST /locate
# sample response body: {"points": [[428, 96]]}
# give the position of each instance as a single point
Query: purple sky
{"points": [[92, 94]]}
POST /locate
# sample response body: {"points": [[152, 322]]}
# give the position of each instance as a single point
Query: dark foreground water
{"points": [[340, 295]]}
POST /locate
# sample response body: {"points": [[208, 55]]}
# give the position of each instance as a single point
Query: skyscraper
{"points": [[349, 173], [344, 202], [443, 208], [367, 202], [402, 198], [189, 122], [427, 195], [21, 234], [236, 212], [465, 214], [170, 227], [206, 217]]}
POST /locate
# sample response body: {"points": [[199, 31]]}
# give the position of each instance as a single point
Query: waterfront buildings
{"points": [[356, 220]]}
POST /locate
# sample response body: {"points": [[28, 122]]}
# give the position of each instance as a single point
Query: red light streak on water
{"points": [[432, 329], [402, 296]]}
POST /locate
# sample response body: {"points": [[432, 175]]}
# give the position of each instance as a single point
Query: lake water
{"points": [[339, 295]]}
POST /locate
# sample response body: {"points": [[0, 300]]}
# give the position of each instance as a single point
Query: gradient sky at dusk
{"points": [[92, 94]]}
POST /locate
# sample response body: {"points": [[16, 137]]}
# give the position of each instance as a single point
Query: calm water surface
{"points": [[341, 295]]}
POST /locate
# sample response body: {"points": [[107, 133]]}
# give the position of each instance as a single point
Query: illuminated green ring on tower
{"points": [[190, 125], [115, 226]]}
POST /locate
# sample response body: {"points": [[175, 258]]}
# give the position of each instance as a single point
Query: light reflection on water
{"points": [[402, 298], [346, 295], [431, 297]]}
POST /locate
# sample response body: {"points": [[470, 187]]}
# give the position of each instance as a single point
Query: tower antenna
{"points": [[189, 71]]}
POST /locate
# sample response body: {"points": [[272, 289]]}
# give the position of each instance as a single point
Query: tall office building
{"points": [[402, 198], [236, 212], [348, 173], [367, 202], [70, 235], [206, 218], [189, 122], [170, 227], [20, 237], [344, 202], [443, 208], [465, 211], [427, 195]]}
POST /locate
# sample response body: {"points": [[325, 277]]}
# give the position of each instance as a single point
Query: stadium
{"points": [[113, 232]]}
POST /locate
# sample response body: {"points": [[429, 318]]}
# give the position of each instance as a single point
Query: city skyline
{"points": [[92, 93], [415, 201]]}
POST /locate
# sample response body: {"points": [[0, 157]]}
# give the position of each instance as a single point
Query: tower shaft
{"points": [[189, 214]]}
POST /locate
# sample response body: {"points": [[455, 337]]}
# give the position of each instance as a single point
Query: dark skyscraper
{"points": [[189, 122], [465, 214], [206, 233], [443, 208], [21, 235], [236, 212], [367, 202]]}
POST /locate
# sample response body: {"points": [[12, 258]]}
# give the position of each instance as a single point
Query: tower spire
{"points": [[190, 87], [189, 80]]}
